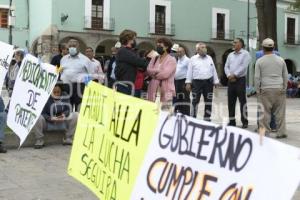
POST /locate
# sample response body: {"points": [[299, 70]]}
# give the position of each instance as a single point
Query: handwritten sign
{"points": [[6, 54], [111, 139], [33, 86], [192, 159]]}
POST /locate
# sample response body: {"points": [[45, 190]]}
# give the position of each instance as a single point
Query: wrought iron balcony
{"points": [[96, 23], [223, 35], [161, 29], [292, 39]]}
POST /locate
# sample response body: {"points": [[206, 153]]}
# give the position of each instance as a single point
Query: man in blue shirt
{"points": [[236, 70]]}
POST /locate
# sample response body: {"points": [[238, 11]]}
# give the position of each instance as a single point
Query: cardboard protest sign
{"points": [[111, 139], [33, 86], [192, 159], [6, 54]]}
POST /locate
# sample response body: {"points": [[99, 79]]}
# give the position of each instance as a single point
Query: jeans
{"points": [[2, 120]]}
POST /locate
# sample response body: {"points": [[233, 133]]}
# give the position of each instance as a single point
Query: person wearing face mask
{"points": [[162, 71], [76, 68], [127, 63], [56, 114], [201, 78], [182, 99]]}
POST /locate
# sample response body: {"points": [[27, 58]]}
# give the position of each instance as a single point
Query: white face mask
{"points": [[72, 51]]}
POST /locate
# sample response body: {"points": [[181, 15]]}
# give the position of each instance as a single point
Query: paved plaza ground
{"points": [[29, 174]]}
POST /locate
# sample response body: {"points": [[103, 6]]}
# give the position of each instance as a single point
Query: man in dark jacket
{"points": [[111, 77], [56, 115], [127, 63]]}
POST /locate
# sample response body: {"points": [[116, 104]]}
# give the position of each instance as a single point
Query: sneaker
{"points": [[2, 148], [67, 141], [39, 144]]}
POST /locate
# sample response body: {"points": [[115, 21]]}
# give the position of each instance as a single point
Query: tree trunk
{"points": [[267, 20]]}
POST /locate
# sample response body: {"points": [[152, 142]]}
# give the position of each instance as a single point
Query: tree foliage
{"points": [[267, 19]]}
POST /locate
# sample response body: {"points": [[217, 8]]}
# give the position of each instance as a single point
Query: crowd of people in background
{"points": [[165, 74]]}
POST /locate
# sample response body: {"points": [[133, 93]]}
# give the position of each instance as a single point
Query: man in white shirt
{"points": [[76, 67], [182, 99], [97, 72], [236, 70], [201, 78]]}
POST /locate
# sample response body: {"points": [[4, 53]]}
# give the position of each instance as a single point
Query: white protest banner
{"points": [[6, 54], [192, 159], [33, 86]]}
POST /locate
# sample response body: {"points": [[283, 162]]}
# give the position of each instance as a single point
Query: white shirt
{"points": [[112, 75], [75, 68], [201, 68], [182, 67], [237, 63], [97, 72]]}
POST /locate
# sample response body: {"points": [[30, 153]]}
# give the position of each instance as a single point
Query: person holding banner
{"points": [[13, 70], [75, 67], [56, 115], [162, 70], [2, 125]]}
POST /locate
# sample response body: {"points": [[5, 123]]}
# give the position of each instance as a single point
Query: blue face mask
{"points": [[72, 51]]}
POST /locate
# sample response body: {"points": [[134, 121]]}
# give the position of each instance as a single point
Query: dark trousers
{"points": [[75, 93], [124, 88], [182, 99], [205, 88], [236, 90]]}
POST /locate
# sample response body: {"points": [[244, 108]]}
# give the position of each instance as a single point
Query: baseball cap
{"points": [[268, 43]]}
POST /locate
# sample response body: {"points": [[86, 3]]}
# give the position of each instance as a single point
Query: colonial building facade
{"points": [[41, 25]]}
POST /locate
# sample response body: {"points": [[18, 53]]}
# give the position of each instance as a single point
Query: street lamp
{"points": [[248, 24], [10, 20]]}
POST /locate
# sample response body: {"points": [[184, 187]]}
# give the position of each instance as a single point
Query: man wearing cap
{"points": [[270, 83], [236, 70]]}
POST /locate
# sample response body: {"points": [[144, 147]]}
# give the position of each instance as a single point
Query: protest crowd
{"points": [[165, 74]]}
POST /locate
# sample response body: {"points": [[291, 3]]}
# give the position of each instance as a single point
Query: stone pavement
{"points": [[29, 174]]}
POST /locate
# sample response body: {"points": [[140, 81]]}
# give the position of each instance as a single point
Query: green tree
{"points": [[296, 4]]}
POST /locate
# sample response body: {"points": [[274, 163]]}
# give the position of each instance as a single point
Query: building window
{"points": [[97, 14], [160, 19], [3, 18], [291, 29], [220, 24]]}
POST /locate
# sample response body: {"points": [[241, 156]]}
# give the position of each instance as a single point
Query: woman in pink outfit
{"points": [[162, 71]]}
